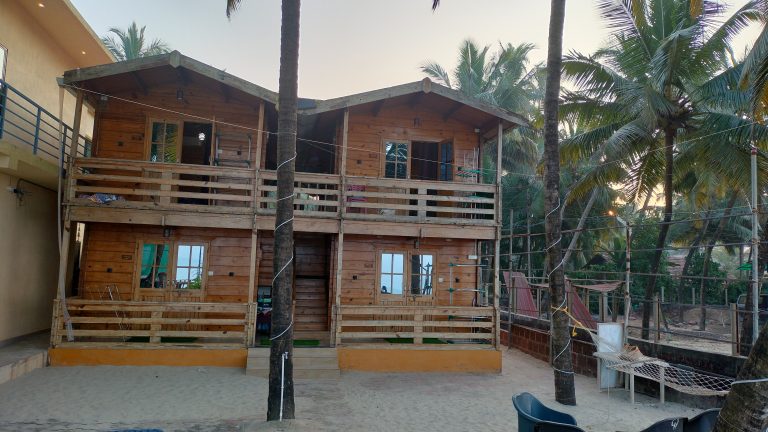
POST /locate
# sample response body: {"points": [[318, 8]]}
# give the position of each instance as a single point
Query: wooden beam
{"points": [[415, 99], [183, 76], [139, 82], [452, 110], [225, 92], [259, 138], [253, 266]]}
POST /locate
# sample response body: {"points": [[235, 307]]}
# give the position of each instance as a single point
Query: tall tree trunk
{"points": [[691, 252], [579, 227], [650, 287], [565, 391], [282, 286], [746, 406], [708, 255]]}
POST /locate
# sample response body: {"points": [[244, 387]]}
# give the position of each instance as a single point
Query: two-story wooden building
{"points": [[178, 201]]}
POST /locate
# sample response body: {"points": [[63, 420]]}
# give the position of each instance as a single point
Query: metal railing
{"points": [[27, 124]]}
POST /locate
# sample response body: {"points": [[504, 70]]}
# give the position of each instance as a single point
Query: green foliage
{"points": [[130, 43]]}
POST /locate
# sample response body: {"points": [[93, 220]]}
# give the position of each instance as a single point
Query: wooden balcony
{"points": [[109, 190], [153, 324], [453, 327]]}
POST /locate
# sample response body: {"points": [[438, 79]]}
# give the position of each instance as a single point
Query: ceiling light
{"points": [[41, 5], [82, 52]]}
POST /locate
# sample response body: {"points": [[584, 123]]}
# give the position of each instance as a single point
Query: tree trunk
{"points": [[689, 257], [746, 405], [650, 287], [282, 285], [565, 392], [579, 227], [708, 254]]}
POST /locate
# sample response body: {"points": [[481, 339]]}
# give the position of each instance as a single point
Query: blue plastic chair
{"points": [[667, 425], [533, 416], [703, 422]]}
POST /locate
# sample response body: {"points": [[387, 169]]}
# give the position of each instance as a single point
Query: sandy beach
{"points": [[221, 399]]}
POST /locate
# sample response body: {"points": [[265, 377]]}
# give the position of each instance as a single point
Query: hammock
{"points": [[681, 378]]}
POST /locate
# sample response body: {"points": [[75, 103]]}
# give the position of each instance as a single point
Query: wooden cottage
{"points": [[177, 199]]}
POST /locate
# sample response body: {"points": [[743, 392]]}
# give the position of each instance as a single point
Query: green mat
{"points": [[410, 341], [296, 342], [145, 339]]}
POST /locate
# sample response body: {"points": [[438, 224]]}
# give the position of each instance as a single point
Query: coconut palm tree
{"points": [[130, 44], [282, 287], [644, 91], [565, 391]]}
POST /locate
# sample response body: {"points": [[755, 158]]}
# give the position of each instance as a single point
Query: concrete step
{"points": [[308, 363]]}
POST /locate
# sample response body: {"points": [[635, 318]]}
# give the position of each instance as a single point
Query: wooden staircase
{"points": [[308, 363], [311, 305]]}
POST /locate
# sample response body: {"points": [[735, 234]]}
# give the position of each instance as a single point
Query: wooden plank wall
{"points": [[111, 254], [367, 132], [121, 126], [359, 269]]}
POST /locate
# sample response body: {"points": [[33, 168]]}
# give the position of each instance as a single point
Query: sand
{"points": [[222, 399]]}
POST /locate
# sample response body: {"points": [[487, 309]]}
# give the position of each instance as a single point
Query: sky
{"points": [[351, 46]]}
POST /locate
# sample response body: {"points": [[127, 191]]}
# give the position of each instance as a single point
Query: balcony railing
{"points": [[28, 125], [454, 326], [154, 185], [140, 184]]}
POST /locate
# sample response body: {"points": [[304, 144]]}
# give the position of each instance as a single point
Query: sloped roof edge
{"points": [[174, 59]]}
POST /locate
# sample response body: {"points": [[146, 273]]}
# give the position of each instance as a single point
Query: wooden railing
{"points": [[100, 322], [419, 201], [468, 327], [316, 195], [151, 185], [141, 184]]}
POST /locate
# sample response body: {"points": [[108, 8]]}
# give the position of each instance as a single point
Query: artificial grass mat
{"points": [[296, 342], [410, 341]]}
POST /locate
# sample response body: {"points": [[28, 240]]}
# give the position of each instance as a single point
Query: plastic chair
{"points": [[703, 422], [534, 416], [667, 425]]}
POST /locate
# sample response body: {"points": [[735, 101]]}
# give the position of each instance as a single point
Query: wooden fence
{"points": [[437, 325]]}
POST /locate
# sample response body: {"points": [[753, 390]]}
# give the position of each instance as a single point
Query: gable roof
{"points": [[175, 60], [425, 86]]}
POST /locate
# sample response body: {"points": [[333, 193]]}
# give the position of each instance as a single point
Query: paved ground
{"points": [[220, 399]]}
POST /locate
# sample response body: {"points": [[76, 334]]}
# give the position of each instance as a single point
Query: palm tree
{"points": [[565, 391], [644, 90], [282, 287], [129, 44]]}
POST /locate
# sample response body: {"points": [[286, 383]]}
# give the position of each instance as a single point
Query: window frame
{"points": [[441, 143], [148, 137], [406, 297], [172, 266], [202, 267]]}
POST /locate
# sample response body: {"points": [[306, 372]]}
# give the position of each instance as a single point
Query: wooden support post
{"points": [[67, 225], [418, 328], [734, 329], [253, 276], [155, 327], [259, 138], [657, 318], [336, 313], [422, 213], [603, 306], [497, 248]]}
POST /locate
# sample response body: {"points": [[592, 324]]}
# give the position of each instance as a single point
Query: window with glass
{"points": [[3, 59], [164, 143], [189, 266], [392, 275], [396, 160], [154, 265], [422, 272]]}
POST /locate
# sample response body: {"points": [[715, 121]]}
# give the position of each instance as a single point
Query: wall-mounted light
{"points": [[180, 95], [166, 232], [201, 136]]}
